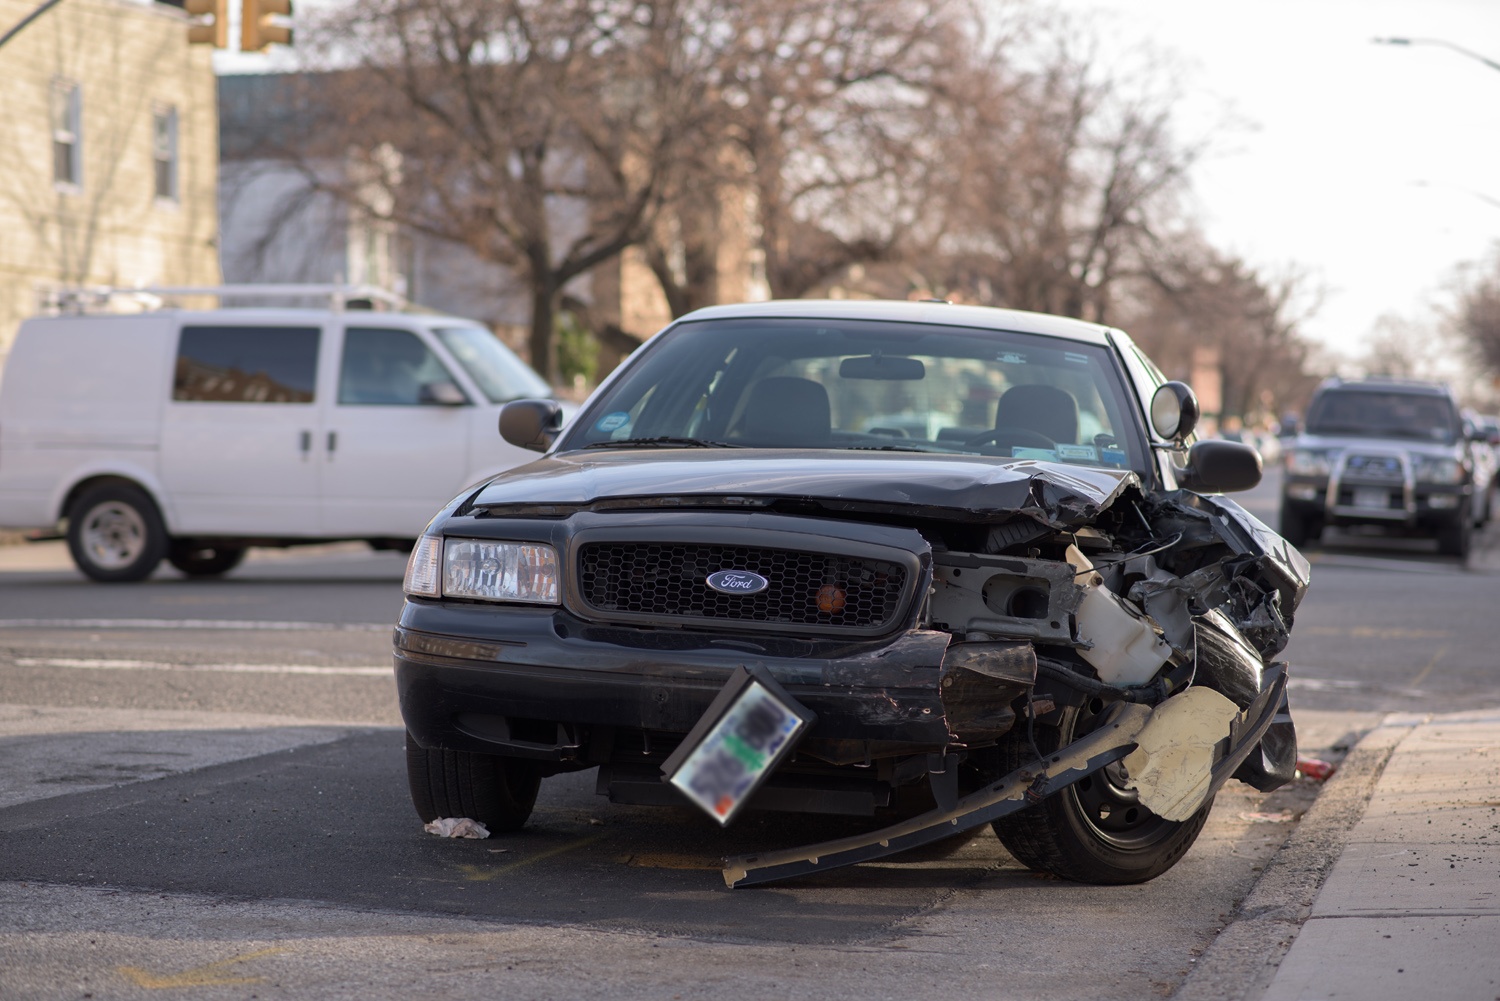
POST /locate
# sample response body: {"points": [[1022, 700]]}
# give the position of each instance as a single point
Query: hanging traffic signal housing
{"points": [[213, 31], [258, 27]]}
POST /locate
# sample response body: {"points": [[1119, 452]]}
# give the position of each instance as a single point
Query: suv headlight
{"points": [[1434, 469], [488, 571], [1307, 462]]}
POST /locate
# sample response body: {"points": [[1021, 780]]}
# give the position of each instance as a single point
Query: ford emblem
{"points": [[737, 582]]}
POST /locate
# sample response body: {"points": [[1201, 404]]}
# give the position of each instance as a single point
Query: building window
{"points": [[67, 134], [164, 151]]}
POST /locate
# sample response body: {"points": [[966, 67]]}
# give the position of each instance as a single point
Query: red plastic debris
{"points": [[1314, 769]]}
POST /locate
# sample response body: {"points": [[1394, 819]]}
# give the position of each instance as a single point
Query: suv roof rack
{"points": [[102, 298]]}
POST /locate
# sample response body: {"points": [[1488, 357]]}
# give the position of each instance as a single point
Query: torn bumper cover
{"points": [[1112, 741]]}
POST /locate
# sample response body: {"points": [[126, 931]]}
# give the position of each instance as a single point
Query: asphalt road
{"points": [[202, 792]]}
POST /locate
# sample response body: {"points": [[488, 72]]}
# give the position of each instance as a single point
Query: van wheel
{"points": [[498, 792], [115, 533], [204, 561], [1095, 830]]}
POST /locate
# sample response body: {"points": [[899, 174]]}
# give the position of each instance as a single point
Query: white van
{"points": [[190, 435]]}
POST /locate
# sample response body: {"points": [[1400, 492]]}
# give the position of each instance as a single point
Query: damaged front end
{"points": [[1110, 666]]}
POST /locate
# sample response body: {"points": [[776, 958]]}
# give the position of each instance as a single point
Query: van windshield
{"points": [[500, 374]]}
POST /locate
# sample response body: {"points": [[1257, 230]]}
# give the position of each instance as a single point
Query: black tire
{"points": [[1456, 537], [204, 561], [1297, 528], [115, 533], [498, 792], [1093, 831]]}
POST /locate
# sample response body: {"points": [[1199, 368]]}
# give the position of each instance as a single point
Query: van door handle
{"points": [[306, 442], [333, 442]]}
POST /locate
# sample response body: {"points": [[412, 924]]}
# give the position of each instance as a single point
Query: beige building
{"points": [[108, 152]]}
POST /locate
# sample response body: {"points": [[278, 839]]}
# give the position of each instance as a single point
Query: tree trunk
{"points": [[543, 309]]}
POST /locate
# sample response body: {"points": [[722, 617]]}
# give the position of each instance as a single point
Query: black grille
{"points": [[1382, 467], [805, 589]]}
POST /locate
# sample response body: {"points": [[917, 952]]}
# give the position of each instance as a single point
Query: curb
{"points": [[1243, 959]]}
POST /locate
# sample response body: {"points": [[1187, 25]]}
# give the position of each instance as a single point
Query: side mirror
{"points": [[531, 424], [441, 394], [1174, 411], [1220, 467]]}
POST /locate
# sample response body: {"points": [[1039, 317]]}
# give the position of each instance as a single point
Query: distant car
{"points": [[190, 435], [851, 558], [1388, 453]]}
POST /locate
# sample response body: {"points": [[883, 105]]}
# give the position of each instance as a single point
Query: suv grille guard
{"points": [[1020, 789], [1408, 483]]}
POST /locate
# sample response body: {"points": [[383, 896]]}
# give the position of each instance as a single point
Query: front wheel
{"points": [[204, 561], [1457, 537], [498, 792], [1297, 528], [1095, 830], [115, 533]]}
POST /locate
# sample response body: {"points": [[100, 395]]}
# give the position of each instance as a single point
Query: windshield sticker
{"points": [[1077, 453], [1044, 454], [1075, 358], [1011, 358], [613, 422], [1112, 455]]}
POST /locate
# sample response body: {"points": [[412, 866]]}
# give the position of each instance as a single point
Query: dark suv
{"points": [[1382, 452], [937, 565]]}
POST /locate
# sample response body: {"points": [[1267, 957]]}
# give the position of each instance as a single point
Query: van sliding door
{"points": [[239, 431]]}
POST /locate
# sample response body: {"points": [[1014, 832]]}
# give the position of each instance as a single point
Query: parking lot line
{"points": [[207, 975], [485, 873]]}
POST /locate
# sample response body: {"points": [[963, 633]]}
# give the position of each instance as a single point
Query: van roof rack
{"points": [[102, 298]]}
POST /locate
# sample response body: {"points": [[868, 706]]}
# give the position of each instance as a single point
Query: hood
{"points": [[1377, 446], [945, 486]]}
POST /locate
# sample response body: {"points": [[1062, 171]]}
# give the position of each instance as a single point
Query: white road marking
{"points": [[152, 665], [253, 624]]}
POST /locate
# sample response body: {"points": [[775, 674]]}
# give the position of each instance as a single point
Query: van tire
{"points": [[204, 561], [497, 791], [115, 533]]}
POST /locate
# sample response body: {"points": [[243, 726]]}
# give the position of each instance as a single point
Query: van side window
{"points": [[384, 367], [246, 364]]}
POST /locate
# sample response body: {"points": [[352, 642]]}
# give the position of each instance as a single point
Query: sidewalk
{"points": [[1411, 909]]}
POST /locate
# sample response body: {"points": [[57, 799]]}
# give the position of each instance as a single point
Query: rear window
{"points": [[246, 364], [1375, 413]]}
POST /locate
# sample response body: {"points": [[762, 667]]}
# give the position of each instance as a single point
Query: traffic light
{"points": [[215, 30], [257, 27]]}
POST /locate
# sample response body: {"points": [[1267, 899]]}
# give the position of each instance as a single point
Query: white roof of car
{"points": [[937, 313], [267, 314]]}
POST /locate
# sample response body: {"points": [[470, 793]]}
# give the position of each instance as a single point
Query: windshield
{"points": [[1368, 413], [500, 374], [848, 384]]}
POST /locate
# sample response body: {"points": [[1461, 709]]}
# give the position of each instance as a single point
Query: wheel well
{"points": [[84, 485]]}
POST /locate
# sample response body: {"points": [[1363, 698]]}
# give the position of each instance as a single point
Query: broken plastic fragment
{"points": [[1315, 769], [1172, 764], [457, 827]]}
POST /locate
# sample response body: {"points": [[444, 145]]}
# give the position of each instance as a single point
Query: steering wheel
{"points": [[1012, 436]]}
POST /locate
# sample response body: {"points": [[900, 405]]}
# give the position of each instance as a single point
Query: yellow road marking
{"points": [[667, 860], [485, 873], [209, 975], [1422, 675]]}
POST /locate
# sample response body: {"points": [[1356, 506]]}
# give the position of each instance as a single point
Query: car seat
{"points": [[787, 411], [1046, 410]]}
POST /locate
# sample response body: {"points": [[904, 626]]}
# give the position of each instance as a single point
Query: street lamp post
{"points": [[1438, 41]]}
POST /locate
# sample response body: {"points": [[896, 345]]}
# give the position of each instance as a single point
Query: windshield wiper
{"points": [[935, 450], [663, 439]]}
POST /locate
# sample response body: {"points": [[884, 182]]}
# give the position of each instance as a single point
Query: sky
{"points": [[1368, 166], [1374, 169]]}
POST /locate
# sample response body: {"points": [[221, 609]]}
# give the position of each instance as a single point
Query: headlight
{"points": [[424, 567], [500, 571], [1430, 469], [1305, 462]]}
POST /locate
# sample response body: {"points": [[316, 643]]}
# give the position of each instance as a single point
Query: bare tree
{"points": [[1478, 311], [540, 135]]}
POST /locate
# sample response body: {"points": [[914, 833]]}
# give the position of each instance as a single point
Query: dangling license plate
{"points": [[740, 748]]}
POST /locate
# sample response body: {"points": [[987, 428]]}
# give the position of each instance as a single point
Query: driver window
{"points": [[384, 367]]}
